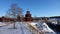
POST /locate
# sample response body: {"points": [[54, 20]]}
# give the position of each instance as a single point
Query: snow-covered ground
{"points": [[44, 27], [2, 24], [21, 29]]}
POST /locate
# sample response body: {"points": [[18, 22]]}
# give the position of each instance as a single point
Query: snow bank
{"points": [[33, 24], [44, 27], [22, 28], [2, 24]]}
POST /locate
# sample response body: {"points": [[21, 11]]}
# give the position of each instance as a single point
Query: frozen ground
{"points": [[21, 29], [44, 27]]}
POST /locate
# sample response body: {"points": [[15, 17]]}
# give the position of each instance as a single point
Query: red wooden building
{"points": [[28, 16]]}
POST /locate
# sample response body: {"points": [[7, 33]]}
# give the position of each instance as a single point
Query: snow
{"points": [[21, 29], [2, 24], [47, 29], [33, 24], [44, 27]]}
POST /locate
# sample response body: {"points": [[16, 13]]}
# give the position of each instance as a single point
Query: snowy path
{"points": [[24, 29], [21, 29]]}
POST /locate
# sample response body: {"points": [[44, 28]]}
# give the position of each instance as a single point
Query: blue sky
{"points": [[37, 8]]}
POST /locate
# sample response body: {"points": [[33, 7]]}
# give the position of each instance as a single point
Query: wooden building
{"points": [[28, 16]]}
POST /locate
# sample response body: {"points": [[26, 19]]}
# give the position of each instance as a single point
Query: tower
{"points": [[28, 16]]}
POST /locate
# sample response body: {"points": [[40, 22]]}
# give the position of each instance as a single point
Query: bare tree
{"points": [[13, 12]]}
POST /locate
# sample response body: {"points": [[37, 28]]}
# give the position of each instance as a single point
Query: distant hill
{"points": [[55, 17]]}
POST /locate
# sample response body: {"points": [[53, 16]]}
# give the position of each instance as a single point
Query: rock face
{"points": [[28, 16]]}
